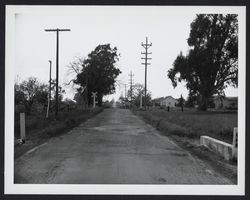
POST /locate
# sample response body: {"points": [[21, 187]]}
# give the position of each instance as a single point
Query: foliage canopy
{"points": [[212, 61], [98, 72]]}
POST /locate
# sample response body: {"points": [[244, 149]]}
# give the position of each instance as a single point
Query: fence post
{"points": [[235, 143], [140, 101], [22, 127]]}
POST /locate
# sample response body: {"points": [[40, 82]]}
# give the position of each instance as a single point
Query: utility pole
{"points": [[49, 99], [125, 96], [86, 92], [131, 86], [57, 61], [125, 91], [146, 63]]}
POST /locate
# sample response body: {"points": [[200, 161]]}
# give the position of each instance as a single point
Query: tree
{"points": [[181, 102], [212, 61], [80, 101], [29, 91], [138, 90], [61, 91], [191, 101], [42, 94], [98, 72]]}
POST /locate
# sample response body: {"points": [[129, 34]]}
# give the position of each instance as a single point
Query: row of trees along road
{"points": [[31, 91], [212, 61], [96, 73]]}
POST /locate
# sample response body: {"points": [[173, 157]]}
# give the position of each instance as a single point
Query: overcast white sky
{"points": [[124, 27]]}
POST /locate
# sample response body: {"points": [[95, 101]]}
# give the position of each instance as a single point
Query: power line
{"points": [[146, 63], [57, 61]]}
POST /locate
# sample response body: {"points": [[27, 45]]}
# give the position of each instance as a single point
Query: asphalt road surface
{"points": [[114, 147]]}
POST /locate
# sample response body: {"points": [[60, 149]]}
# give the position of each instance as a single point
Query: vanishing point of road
{"points": [[114, 147]]}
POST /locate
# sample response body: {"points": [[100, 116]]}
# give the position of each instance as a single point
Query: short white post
{"points": [[140, 100], [22, 127], [235, 143], [94, 94]]}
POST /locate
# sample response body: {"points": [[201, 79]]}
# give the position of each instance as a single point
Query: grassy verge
{"points": [[192, 123], [39, 130], [187, 127]]}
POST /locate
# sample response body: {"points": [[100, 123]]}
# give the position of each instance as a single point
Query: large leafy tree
{"points": [[30, 91], [98, 72], [212, 61]]}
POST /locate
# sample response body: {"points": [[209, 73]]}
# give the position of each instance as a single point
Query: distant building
{"points": [[222, 102], [165, 101]]}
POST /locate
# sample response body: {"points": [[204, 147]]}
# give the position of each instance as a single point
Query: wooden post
{"points": [[235, 143], [140, 101], [22, 127], [94, 94], [47, 113]]}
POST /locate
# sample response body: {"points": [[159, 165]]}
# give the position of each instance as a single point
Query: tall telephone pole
{"points": [[57, 61], [50, 67], [146, 63], [131, 86], [49, 98]]}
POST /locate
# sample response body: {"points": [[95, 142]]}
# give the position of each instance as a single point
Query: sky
{"points": [[123, 27]]}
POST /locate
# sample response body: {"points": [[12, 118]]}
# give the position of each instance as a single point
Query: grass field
{"points": [[193, 123]]}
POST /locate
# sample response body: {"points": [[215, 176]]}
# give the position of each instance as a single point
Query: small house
{"points": [[166, 101], [222, 102]]}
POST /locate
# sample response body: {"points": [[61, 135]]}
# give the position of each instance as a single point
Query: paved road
{"points": [[113, 147]]}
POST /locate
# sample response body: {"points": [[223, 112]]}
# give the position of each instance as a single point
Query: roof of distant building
{"points": [[163, 98], [224, 97]]}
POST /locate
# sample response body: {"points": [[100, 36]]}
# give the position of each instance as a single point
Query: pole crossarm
{"points": [[58, 29], [146, 58], [146, 45]]}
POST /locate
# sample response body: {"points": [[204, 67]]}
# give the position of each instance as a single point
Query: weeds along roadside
{"points": [[39, 129], [192, 123]]}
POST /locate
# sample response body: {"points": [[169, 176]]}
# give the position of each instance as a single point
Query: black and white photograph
{"points": [[125, 100]]}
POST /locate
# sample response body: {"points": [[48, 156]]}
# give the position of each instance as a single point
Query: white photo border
{"points": [[131, 189]]}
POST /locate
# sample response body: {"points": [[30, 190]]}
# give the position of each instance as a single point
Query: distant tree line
{"points": [[133, 96], [30, 94]]}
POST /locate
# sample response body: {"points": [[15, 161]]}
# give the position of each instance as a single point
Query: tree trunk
{"points": [[99, 99], [28, 106], [203, 103]]}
